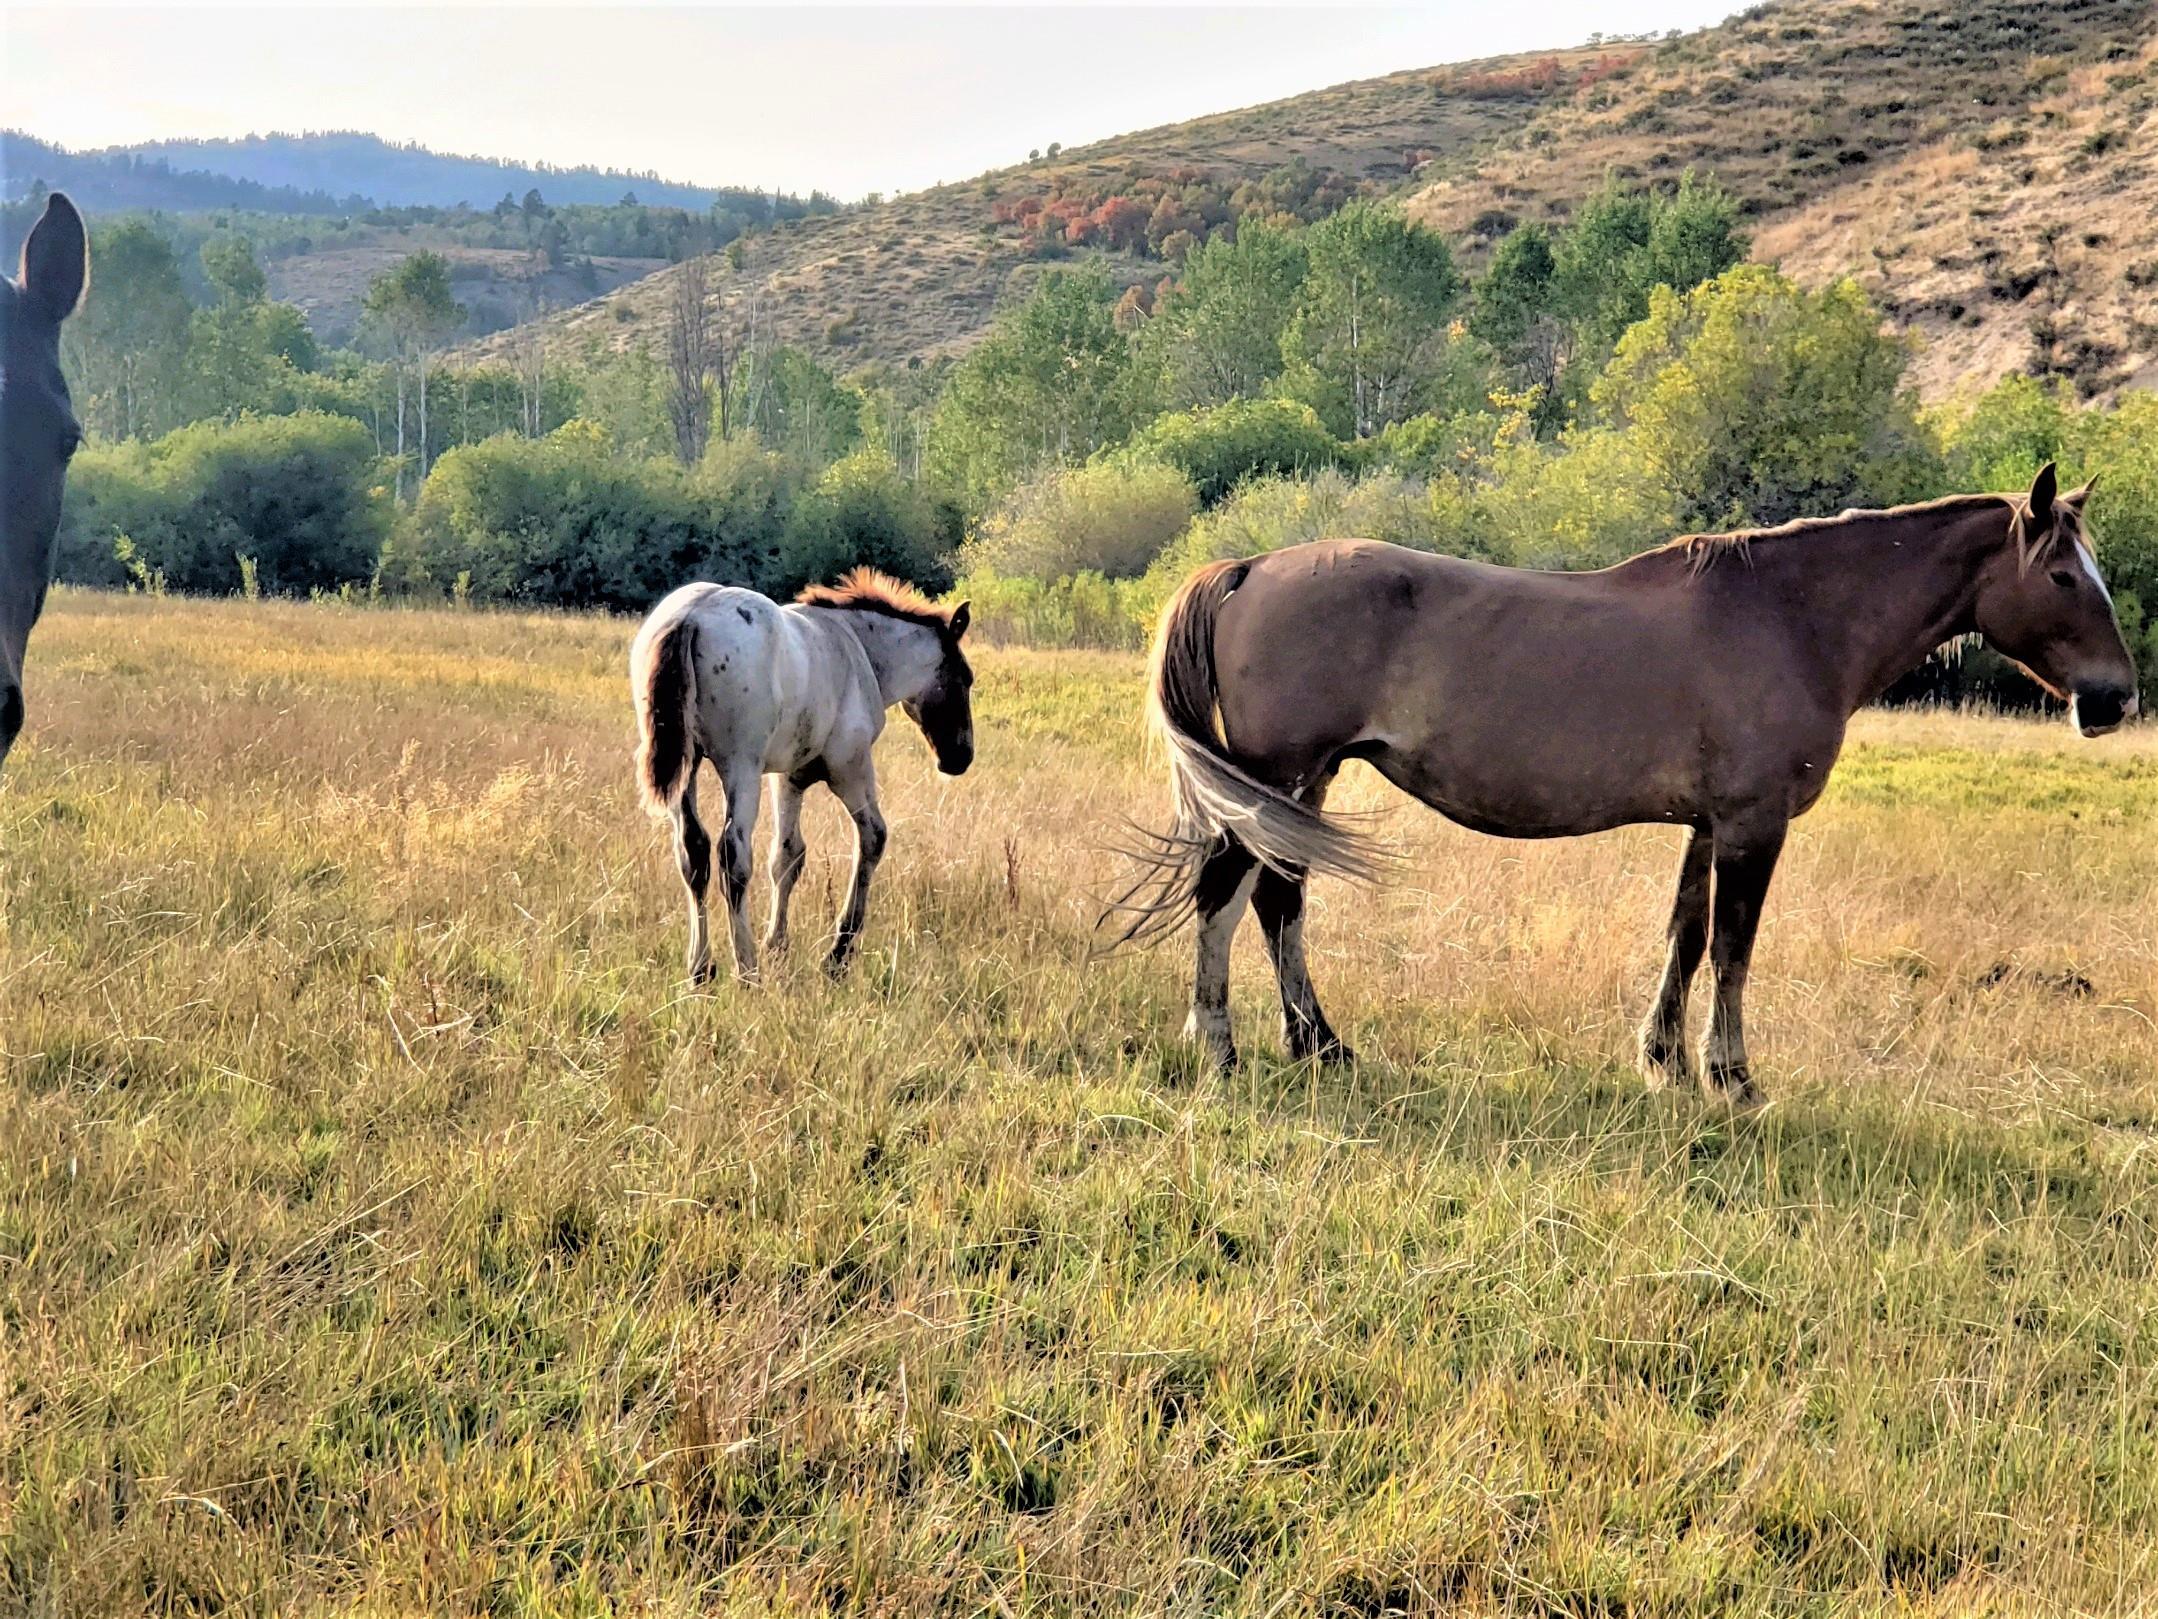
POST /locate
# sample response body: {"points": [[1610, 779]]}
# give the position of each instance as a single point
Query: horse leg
{"points": [[788, 856], [693, 855], [856, 787], [1664, 1057], [744, 784], [1746, 854], [1222, 891], [1279, 902]]}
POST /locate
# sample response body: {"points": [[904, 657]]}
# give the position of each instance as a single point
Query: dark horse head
{"points": [[2043, 604], [38, 433], [944, 708]]}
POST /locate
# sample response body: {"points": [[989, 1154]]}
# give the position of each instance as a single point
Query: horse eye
{"points": [[2063, 578]]}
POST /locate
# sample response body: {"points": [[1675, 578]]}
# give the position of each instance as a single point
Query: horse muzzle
{"points": [[2099, 709], [954, 761]]}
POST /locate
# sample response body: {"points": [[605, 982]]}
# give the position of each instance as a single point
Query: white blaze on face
{"points": [[2090, 566]]}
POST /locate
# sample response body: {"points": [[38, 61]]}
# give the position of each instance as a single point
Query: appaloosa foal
{"points": [[1706, 683], [797, 693]]}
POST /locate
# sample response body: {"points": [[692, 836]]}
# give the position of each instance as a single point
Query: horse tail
{"points": [[1214, 797], [664, 684]]}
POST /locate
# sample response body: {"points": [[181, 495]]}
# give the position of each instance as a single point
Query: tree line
{"points": [[1593, 388]]}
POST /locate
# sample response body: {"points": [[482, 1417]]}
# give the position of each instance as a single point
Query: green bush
{"points": [[568, 521], [1585, 502], [1219, 447], [1081, 610], [301, 496], [1429, 446], [1110, 518], [559, 521], [863, 511], [2001, 438], [1759, 401], [1271, 513]]}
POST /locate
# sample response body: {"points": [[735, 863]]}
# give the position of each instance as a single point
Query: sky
{"points": [[848, 100]]}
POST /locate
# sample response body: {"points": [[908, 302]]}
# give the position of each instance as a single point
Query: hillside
{"points": [[921, 275], [2032, 243], [1930, 150], [1985, 171], [497, 286]]}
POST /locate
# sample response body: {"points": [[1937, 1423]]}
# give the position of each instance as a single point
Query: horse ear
{"points": [[962, 615], [2041, 501], [2075, 498], [56, 261]]}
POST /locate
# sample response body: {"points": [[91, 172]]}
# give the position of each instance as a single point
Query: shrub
{"points": [[1430, 446], [744, 494], [1110, 518], [1998, 441], [1586, 502], [862, 511], [1083, 609], [1760, 401], [559, 521], [1274, 512], [301, 496], [1219, 447]]}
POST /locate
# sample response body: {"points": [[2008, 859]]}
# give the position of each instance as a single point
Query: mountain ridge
{"points": [[320, 172]]}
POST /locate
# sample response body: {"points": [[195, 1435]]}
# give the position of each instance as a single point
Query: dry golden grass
{"points": [[384, 1229]]}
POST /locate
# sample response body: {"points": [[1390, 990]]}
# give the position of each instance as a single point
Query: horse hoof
{"points": [[1337, 1054], [1213, 1041], [1734, 1086], [701, 977], [1664, 1063]]}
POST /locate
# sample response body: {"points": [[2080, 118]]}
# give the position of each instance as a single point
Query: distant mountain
{"points": [[112, 181], [345, 162], [335, 172]]}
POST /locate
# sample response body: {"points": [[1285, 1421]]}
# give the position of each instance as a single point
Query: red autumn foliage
{"points": [[1165, 214], [1541, 77]]}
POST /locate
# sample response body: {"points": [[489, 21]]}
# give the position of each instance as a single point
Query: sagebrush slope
{"points": [[1838, 124], [922, 274]]}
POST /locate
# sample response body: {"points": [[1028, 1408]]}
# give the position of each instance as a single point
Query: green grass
{"points": [[384, 1229]]}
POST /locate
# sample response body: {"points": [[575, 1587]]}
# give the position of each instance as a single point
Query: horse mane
{"points": [[1703, 551], [870, 591]]}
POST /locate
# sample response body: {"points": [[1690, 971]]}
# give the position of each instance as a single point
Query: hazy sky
{"points": [[847, 99]]}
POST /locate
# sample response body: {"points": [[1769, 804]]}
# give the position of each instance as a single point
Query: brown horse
{"points": [[1705, 684]]}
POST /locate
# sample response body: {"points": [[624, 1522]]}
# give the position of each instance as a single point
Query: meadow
{"points": [[385, 1229]]}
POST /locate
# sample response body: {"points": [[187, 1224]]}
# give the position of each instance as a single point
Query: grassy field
{"points": [[384, 1229]]}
